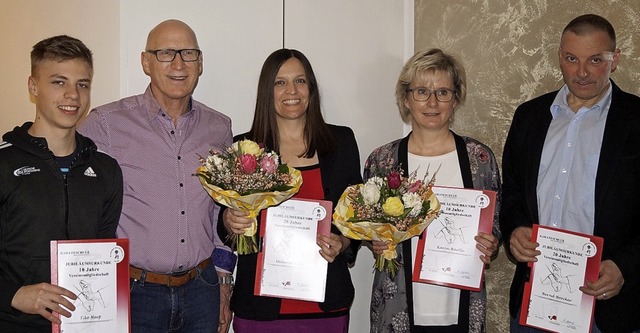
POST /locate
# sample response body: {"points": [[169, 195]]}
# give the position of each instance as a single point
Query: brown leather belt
{"points": [[169, 280]]}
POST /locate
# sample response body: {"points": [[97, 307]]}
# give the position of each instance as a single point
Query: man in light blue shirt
{"points": [[572, 161]]}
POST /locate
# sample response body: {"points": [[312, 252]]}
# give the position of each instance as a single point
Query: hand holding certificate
{"points": [[290, 265], [552, 300], [97, 271], [446, 253]]}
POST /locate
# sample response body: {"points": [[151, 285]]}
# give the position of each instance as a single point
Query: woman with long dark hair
{"points": [[288, 119]]}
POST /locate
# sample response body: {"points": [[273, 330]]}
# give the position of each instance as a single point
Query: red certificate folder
{"points": [[97, 271], [487, 203], [291, 279], [551, 299]]}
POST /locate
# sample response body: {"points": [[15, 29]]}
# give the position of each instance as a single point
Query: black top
{"points": [[38, 204]]}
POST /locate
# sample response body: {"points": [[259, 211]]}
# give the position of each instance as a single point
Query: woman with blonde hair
{"points": [[431, 86]]}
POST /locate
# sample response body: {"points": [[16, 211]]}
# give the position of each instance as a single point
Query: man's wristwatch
{"points": [[226, 279]]}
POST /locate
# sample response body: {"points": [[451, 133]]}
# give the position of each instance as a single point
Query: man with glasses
{"points": [[170, 220], [572, 161]]}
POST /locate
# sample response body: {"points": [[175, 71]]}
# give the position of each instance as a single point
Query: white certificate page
{"points": [[89, 270], [293, 267], [556, 303], [450, 256]]}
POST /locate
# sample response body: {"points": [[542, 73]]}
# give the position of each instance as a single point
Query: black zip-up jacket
{"points": [[38, 204]]}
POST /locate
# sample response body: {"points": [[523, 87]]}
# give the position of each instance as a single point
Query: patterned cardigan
{"points": [[391, 299]]}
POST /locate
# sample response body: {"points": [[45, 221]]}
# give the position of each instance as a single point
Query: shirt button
{"points": [[182, 212], [182, 240], [557, 197], [181, 185], [173, 132], [568, 144], [564, 170], [179, 158]]}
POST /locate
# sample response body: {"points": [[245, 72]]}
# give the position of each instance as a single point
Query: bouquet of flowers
{"points": [[250, 178], [389, 208]]}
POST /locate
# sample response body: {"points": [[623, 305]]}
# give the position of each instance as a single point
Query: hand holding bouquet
{"points": [[249, 178], [389, 208]]}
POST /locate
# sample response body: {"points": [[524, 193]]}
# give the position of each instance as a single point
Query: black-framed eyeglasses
{"points": [[167, 55], [422, 94]]}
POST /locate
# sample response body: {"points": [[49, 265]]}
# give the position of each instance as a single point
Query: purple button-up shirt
{"points": [[168, 217]]}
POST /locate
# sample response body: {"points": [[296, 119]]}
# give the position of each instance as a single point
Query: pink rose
{"points": [[415, 186], [393, 179], [268, 165], [248, 163]]}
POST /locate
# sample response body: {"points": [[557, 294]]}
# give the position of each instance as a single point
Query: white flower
{"points": [[370, 192], [276, 158], [215, 162], [413, 201], [378, 181]]}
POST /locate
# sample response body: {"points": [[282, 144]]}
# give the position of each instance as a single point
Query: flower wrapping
{"points": [[248, 178], [390, 209]]}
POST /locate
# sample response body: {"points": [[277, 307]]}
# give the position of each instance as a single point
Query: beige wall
{"points": [[509, 49], [24, 23]]}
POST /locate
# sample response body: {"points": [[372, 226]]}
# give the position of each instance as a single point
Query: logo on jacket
{"points": [[89, 172], [25, 171]]}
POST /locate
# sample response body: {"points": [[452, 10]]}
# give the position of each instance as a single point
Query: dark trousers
{"points": [[193, 307]]}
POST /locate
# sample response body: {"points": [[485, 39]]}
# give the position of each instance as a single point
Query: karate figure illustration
{"points": [[449, 231], [556, 279], [88, 297], [283, 246]]}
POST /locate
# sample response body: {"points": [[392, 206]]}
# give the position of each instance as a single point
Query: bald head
{"points": [[172, 82], [171, 31]]}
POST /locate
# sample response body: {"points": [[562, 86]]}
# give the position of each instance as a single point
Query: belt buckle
{"points": [[176, 275]]}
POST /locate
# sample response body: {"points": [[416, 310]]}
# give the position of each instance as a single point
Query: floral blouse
{"points": [[389, 300]]}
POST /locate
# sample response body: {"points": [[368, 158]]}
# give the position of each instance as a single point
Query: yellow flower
{"points": [[393, 206], [250, 147]]}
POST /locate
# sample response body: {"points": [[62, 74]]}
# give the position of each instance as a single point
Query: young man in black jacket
{"points": [[54, 185]]}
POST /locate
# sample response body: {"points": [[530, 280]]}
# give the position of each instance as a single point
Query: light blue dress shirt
{"points": [[569, 162]]}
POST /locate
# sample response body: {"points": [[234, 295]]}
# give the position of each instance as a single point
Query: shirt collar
{"points": [[153, 107], [560, 102]]}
